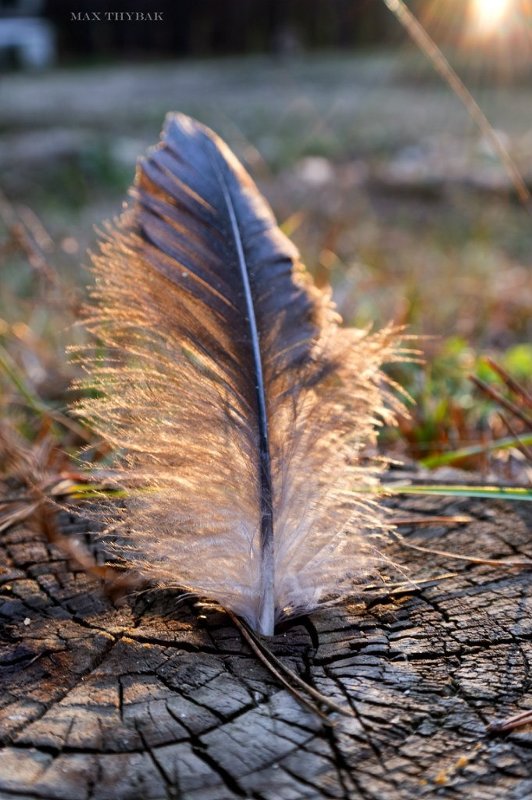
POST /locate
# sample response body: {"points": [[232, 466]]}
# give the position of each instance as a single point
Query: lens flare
{"points": [[489, 14]]}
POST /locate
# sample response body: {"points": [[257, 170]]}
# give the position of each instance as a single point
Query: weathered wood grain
{"points": [[157, 699]]}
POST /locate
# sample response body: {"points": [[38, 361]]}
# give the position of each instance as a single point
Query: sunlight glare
{"points": [[488, 14]]}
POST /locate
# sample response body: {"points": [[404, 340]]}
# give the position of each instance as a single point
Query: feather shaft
{"points": [[266, 614]]}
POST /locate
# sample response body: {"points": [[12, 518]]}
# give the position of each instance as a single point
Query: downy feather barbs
{"points": [[238, 407]]}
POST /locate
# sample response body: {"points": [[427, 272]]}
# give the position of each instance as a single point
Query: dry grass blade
{"points": [[519, 443], [511, 723], [457, 519], [245, 633], [403, 587], [117, 584], [492, 562], [519, 437], [10, 369], [29, 235], [17, 498], [17, 515], [427, 45], [501, 400], [510, 382], [276, 667]]}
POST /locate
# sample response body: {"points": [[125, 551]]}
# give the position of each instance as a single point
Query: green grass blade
{"points": [[475, 450], [92, 491], [493, 492], [9, 367]]}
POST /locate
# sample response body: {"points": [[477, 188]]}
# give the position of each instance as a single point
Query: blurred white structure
{"points": [[22, 32]]}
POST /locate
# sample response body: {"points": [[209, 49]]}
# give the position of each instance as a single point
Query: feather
{"points": [[238, 408]]}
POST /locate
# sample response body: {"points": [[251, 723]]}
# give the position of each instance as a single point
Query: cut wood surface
{"points": [[161, 699]]}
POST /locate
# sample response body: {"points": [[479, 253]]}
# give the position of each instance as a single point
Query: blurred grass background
{"points": [[371, 165]]}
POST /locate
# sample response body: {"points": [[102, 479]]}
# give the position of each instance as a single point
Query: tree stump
{"points": [[157, 699]]}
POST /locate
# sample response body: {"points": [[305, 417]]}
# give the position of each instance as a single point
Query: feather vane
{"points": [[230, 392]]}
